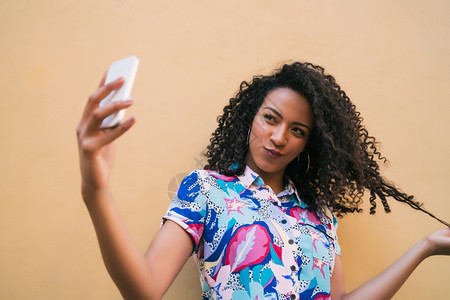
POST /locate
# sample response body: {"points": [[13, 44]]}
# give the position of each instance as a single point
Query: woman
{"points": [[288, 154]]}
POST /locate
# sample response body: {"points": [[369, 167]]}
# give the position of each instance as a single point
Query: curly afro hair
{"points": [[343, 156]]}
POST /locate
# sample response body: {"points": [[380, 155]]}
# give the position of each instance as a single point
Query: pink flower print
{"points": [[319, 264], [296, 213], [234, 205], [311, 217], [221, 177], [196, 230], [249, 246], [315, 237]]}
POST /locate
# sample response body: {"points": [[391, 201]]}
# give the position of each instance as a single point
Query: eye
{"points": [[298, 131], [270, 118]]}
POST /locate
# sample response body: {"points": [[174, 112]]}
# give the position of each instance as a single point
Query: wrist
{"points": [[92, 194], [426, 247]]}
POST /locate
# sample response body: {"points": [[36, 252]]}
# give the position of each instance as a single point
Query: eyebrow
{"points": [[281, 117]]}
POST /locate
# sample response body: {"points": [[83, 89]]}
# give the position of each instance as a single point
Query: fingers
{"points": [[103, 91], [102, 82], [439, 242], [112, 134], [90, 144], [90, 137], [100, 113]]}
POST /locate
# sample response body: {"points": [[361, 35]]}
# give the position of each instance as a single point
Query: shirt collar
{"points": [[289, 189], [250, 178]]}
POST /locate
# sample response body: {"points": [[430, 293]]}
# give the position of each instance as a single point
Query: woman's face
{"points": [[279, 133]]}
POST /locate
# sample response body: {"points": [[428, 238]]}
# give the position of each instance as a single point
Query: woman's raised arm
{"points": [[386, 284], [137, 276]]}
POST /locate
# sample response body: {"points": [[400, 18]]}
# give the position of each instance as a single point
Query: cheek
{"points": [[258, 127], [300, 146]]}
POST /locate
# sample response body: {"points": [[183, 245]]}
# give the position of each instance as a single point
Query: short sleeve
{"points": [[334, 225], [337, 247], [187, 207]]}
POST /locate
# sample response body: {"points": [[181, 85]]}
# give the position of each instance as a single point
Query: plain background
{"points": [[391, 57]]}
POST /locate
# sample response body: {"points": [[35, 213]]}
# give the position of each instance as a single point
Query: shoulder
{"points": [[202, 178], [203, 174], [327, 212], [327, 217], [196, 177]]}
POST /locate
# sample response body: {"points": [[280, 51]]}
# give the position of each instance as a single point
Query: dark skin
{"points": [[148, 275], [279, 133]]}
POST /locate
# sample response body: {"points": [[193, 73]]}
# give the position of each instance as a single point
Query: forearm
{"points": [[123, 259], [386, 284]]}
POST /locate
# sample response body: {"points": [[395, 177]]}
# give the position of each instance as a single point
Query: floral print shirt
{"points": [[252, 244]]}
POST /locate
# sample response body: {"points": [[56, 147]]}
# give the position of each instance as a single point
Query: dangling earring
{"points": [[308, 161], [248, 137]]}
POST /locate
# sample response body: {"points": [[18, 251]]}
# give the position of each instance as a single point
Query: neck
{"points": [[274, 180]]}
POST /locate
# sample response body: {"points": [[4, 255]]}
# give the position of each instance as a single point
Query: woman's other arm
{"points": [[386, 284], [137, 276]]}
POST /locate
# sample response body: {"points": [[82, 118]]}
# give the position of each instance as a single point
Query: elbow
{"points": [[141, 291], [339, 294], [140, 295], [339, 297]]}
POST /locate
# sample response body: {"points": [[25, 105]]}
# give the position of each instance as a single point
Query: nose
{"points": [[278, 136]]}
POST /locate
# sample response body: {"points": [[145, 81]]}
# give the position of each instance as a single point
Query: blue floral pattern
{"points": [[252, 244]]}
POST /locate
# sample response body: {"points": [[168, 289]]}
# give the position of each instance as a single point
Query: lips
{"points": [[272, 153]]}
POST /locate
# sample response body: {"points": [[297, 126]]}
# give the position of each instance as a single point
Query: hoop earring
{"points": [[248, 136], [308, 166]]}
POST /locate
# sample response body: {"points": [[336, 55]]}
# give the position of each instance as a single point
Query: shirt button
{"points": [[293, 268], [293, 296], [291, 241], [284, 221]]}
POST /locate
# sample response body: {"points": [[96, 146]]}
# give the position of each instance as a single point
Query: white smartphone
{"points": [[126, 68]]}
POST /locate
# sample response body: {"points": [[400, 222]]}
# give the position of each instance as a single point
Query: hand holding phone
{"points": [[126, 68]]}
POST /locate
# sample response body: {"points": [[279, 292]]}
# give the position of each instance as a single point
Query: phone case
{"points": [[127, 68]]}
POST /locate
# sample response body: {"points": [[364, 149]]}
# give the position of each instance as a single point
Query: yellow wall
{"points": [[390, 56]]}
